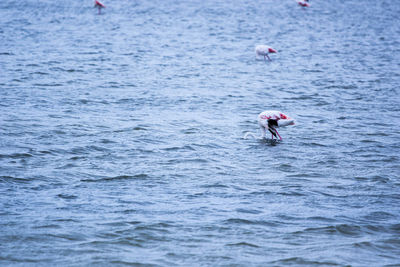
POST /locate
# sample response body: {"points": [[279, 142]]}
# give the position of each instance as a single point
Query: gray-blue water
{"points": [[121, 133]]}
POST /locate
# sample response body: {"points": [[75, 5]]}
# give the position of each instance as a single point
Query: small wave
{"points": [[67, 196], [242, 244], [138, 128], [181, 160], [76, 158], [303, 261], [48, 84], [46, 152], [132, 263], [19, 259], [16, 156], [69, 237], [379, 215], [66, 166], [47, 226], [41, 73], [84, 150], [117, 178], [63, 220], [364, 245], [74, 70], [84, 101], [182, 148], [249, 211], [263, 193], [250, 222], [107, 141], [395, 227], [216, 185], [291, 193], [160, 226], [313, 144], [8, 179], [320, 219], [343, 229], [302, 176]]}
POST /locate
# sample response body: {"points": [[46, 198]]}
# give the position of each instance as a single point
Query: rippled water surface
{"points": [[121, 133]]}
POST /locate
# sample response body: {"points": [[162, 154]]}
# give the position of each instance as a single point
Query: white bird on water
{"points": [[270, 120], [264, 50]]}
